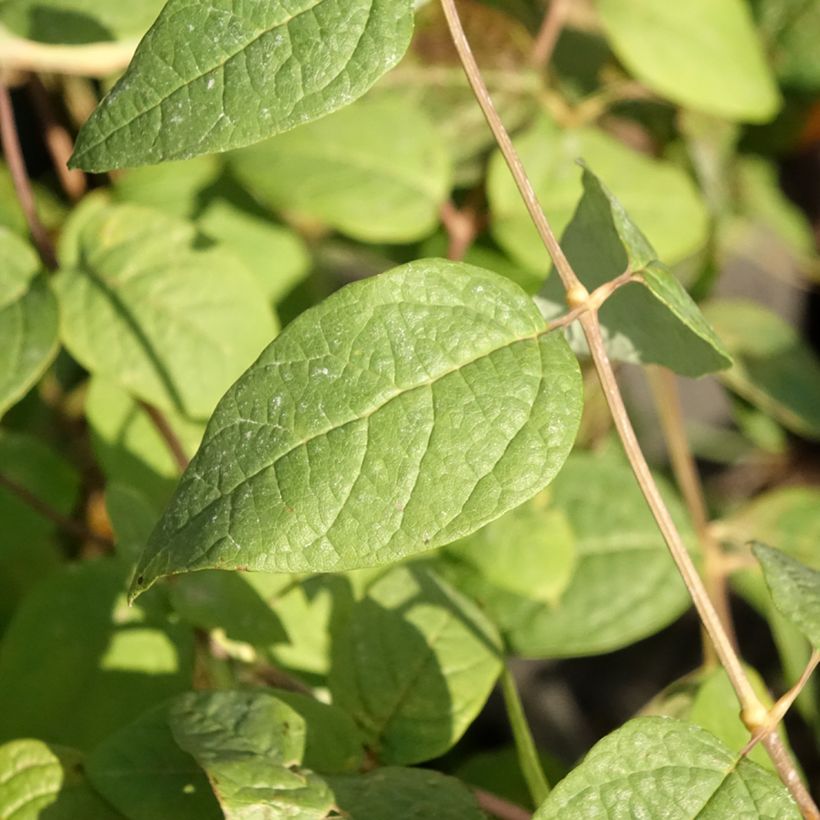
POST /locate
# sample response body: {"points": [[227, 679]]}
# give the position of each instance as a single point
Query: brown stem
{"points": [[499, 807], [17, 168], [63, 522], [461, 227], [753, 712], [549, 32], [168, 435], [665, 390], [58, 141]]}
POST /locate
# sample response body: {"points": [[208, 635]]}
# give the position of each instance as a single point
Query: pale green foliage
{"points": [[28, 320], [40, 780], [144, 306], [414, 664], [299, 470], [795, 590], [253, 69], [665, 768], [377, 170], [701, 54]]}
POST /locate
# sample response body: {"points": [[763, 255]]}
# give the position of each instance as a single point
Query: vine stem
{"points": [[665, 390], [93, 60], [549, 33], [19, 176], [167, 433], [753, 712], [498, 807]]}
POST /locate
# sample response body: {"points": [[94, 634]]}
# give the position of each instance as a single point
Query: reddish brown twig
{"points": [[165, 430]]}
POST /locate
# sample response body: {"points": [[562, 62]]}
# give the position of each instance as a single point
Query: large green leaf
{"points": [[300, 468], [665, 768], [143, 306], [251, 746], [77, 663], [28, 320], [78, 21], [774, 369], [377, 171], [795, 590], [141, 770], [414, 665], [392, 792], [42, 781], [659, 196], [624, 585], [653, 320], [209, 77], [701, 54]]}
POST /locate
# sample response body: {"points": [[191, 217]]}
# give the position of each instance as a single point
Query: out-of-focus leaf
{"points": [[791, 29], [50, 210]]}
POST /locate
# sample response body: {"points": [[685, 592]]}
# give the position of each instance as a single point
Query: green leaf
{"points": [[700, 54], [377, 171], [141, 770], [78, 663], [72, 22], [218, 76], [143, 306], [795, 589], [653, 321], [274, 254], [624, 586], [28, 320], [414, 665], [410, 794], [251, 746], [42, 781], [132, 516], [50, 210], [773, 367], [660, 197], [666, 768], [791, 29], [450, 359]]}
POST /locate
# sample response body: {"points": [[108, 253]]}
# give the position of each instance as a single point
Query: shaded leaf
{"points": [[662, 767], [414, 665], [653, 320], [212, 77], [141, 770], [299, 470], [700, 54], [791, 29], [377, 171], [144, 307], [42, 781], [28, 320], [795, 589], [773, 367]]}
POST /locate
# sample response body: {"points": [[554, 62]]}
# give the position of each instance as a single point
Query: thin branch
{"points": [[461, 227], [58, 141], [499, 807], [664, 386], [22, 185], [165, 430], [595, 300], [753, 712], [92, 60], [63, 522], [549, 32]]}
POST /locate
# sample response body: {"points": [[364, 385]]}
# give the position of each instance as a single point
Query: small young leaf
{"points": [[666, 768], [391, 793], [414, 665], [774, 369], [28, 320], [38, 780], [378, 171], [141, 770], [209, 77], [145, 307], [251, 746], [795, 590], [701, 54], [299, 469], [652, 321]]}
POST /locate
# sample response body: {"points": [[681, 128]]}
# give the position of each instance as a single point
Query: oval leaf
{"points": [[213, 76], [334, 450], [665, 768]]}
